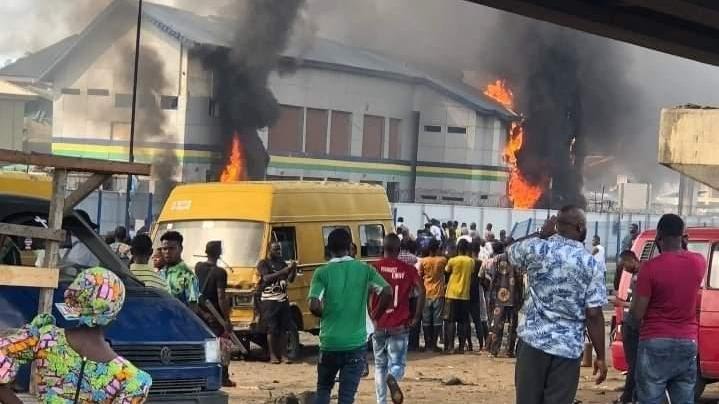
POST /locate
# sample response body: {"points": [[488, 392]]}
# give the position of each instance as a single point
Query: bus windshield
{"points": [[241, 241]]}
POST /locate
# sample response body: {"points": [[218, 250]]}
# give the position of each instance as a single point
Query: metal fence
{"points": [[610, 227]]}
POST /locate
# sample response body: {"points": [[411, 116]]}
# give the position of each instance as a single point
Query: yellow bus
{"points": [[247, 216]]}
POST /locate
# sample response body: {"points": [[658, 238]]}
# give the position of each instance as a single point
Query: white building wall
{"points": [[98, 66], [12, 123]]}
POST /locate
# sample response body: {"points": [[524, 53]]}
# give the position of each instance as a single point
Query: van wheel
{"points": [[294, 348]]}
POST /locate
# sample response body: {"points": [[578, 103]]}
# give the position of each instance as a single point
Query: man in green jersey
{"points": [[338, 295]]}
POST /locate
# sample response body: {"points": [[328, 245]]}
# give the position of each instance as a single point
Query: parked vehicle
{"points": [[246, 216], [706, 242], [154, 330]]}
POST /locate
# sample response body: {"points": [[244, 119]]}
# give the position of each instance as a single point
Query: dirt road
{"points": [[486, 380]]}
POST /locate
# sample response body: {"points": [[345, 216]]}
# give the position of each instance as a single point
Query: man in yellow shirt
{"points": [[460, 269]]}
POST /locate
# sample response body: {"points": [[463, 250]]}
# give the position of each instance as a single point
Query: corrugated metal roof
{"points": [[34, 65], [193, 29], [218, 31]]}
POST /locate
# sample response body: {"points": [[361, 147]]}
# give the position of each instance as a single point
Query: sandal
{"points": [[395, 392]]}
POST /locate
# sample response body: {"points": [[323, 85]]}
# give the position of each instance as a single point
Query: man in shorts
{"points": [[275, 275]]}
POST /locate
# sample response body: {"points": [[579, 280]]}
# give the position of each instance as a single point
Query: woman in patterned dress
{"points": [[75, 365]]}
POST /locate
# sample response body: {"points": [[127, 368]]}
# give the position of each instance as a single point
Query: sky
{"points": [[448, 35]]}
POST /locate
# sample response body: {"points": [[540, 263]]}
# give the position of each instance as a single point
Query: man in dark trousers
{"points": [[665, 304], [505, 294], [565, 295], [275, 276], [338, 296], [213, 283]]}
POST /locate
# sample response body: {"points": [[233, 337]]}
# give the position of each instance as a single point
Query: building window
{"points": [[372, 136], [429, 197], [316, 131], [457, 129], [168, 102], [433, 128], [394, 144], [70, 91], [98, 92], [286, 134], [341, 133], [123, 100], [393, 191], [371, 240], [452, 199]]}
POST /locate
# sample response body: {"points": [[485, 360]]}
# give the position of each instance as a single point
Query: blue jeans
{"points": [[665, 364], [390, 356], [432, 313], [349, 364]]}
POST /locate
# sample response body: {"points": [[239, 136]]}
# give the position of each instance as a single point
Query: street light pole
{"points": [[131, 150]]}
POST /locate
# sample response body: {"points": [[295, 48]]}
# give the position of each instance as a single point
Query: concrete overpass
{"points": [[687, 28]]}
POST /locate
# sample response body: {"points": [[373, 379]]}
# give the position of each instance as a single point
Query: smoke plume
{"points": [[150, 120], [572, 90], [241, 74]]}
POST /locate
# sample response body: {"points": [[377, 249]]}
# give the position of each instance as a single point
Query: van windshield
{"points": [[241, 241]]}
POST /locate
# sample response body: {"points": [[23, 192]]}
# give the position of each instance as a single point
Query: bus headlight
{"points": [[212, 350]]}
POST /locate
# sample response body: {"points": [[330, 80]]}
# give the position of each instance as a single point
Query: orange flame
{"points": [[235, 168], [499, 92], [522, 193]]}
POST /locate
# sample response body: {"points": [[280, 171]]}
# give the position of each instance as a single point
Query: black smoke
{"points": [[573, 91], [150, 119], [241, 74]]}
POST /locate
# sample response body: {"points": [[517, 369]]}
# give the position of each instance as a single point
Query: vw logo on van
{"points": [[165, 355]]}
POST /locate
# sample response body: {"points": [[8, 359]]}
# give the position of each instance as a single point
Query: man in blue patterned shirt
{"points": [[565, 293]]}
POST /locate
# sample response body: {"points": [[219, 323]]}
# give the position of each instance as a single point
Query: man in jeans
{"points": [[338, 296], [431, 269], [665, 303], [391, 335], [565, 295]]}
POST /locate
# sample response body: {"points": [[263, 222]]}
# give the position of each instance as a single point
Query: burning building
{"points": [[328, 111]]}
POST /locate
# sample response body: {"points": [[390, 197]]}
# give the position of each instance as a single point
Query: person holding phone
{"points": [[275, 276]]}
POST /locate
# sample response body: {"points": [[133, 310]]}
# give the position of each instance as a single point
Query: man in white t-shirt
{"points": [[598, 250], [436, 230]]}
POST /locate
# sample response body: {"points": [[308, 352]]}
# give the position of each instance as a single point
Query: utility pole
{"points": [[131, 149]]}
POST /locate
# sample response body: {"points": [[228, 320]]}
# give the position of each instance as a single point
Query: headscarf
{"points": [[95, 296]]}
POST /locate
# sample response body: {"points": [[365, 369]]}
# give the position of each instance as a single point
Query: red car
{"points": [[705, 241]]}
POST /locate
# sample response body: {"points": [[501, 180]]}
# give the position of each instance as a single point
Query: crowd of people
{"points": [[437, 290]]}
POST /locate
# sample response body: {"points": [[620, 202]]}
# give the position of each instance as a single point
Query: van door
{"points": [[709, 319]]}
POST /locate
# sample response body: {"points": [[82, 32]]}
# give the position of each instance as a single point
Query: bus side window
{"points": [[714, 268], [326, 230], [287, 238], [372, 239]]}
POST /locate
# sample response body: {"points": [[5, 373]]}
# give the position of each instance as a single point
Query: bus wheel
{"points": [[294, 348]]}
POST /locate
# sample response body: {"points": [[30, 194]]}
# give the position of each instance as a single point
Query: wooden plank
{"points": [[85, 189], [29, 276], [57, 203], [74, 163], [42, 233]]}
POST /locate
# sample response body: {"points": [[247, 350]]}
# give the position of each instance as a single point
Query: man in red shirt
{"points": [[391, 336], [666, 305]]}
